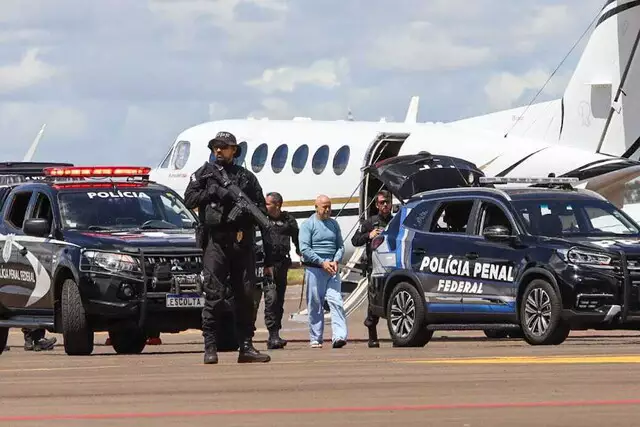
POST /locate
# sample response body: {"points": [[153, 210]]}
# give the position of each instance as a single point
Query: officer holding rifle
{"points": [[230, 204]]}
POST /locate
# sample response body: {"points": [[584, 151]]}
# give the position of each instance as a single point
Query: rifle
{"points": [[242, 202]]}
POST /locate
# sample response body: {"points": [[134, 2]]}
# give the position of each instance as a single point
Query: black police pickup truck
{"points": [[537, 256], [87, 249]]}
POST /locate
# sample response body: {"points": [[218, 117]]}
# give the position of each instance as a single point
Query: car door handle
{"points": [[471, 255]]}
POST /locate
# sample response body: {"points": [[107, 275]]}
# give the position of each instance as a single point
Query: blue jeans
{"points": [[321, 285]]}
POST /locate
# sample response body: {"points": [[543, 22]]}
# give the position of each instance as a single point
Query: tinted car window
{"points": [[124, 207], [557, 218], [452, 217], [417, 218]]}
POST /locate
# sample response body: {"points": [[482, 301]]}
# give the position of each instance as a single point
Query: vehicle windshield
{"points": [[123, 208], [590, 218]]}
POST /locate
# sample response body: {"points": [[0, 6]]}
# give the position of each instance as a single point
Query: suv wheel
{"points": [[76, 331], [540, 315], [405, 317], [128, 340], [4, 337]]}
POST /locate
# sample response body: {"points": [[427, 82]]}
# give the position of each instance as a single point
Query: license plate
{"points": [[184, 301], [185, 279]]}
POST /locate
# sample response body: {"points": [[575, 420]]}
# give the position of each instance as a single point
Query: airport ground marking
{"points": [[326, 410], [532, 360]]}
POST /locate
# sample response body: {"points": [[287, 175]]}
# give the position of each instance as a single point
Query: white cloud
{"points": [[25, 119], [504, 89], [422, 46], [20, 36], [171, 64], [548, 20], [11, 10], [280, 109], [185, 15], [29, 71], [217, 111], [324, 73]]}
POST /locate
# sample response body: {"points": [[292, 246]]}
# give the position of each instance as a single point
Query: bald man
{"points": [[322, 249]]}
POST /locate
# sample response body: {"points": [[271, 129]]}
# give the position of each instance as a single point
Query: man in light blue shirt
{"points": [[322, 249]]}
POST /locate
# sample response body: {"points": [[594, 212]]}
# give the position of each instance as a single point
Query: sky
{"points": [[127, 76]]}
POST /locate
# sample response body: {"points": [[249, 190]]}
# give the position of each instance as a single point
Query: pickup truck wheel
{"points": [[76, 331], [130, 340], [540, 315], [405, 317], [4, 337]]}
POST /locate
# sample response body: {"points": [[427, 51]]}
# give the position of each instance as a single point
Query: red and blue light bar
{"points": [[97, 171]]}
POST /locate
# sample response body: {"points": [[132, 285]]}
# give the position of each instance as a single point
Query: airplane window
{"points": [[299, 159], [320, 159], [279, 158], [341, 159], [243, 153], [259, 157], [182, 154], [165, 162]]}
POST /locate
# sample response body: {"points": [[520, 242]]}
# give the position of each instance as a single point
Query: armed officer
{"points": [[368, 231], [228, 244], [282, 233]]}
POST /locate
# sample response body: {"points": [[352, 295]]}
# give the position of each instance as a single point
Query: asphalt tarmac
{"points": [[458, 379]]}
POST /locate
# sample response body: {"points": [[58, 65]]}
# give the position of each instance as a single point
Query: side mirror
{"points": [[498, 233], [37, 227]]}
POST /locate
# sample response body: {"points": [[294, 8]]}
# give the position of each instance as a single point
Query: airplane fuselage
{"points": [[303, 159]]}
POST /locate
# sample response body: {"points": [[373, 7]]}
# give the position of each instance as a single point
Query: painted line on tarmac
{"points": [[532, 360], [74, 368], [387, 408]]}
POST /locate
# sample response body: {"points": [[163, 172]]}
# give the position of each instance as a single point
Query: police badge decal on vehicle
{"points": [[6, 250]]}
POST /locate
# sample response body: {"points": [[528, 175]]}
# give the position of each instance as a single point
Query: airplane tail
{"points": [[34, 145], [605, 84]]}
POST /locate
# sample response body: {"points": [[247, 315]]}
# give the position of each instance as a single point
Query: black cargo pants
{"points": [[228, 270], [371, 321], [274, 293]]}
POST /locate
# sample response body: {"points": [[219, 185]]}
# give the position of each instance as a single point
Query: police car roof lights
{"points": [[29, 169], [98, 171], [12, 173]]}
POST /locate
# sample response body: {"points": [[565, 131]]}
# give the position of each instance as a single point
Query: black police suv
{"points": [[463, 253], [85, 249]]}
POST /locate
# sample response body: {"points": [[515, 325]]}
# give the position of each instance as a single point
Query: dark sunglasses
{"points": [[384, 202]]}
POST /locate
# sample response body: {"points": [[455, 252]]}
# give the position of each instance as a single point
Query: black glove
{"points": [[218, 191]]}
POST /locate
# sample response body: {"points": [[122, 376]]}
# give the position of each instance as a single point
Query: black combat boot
{"points": [[210, 354], [249, 354], [275, 341], [39, 345], [373, 337]]}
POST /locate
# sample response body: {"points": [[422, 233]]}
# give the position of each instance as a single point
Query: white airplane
{"points": [[585, 134]]}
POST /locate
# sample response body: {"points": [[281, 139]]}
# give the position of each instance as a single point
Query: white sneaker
{"points": [[316, 344]]}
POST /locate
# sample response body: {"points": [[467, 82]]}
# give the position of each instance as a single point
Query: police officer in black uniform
{"points": [[229, 255], [369, 229], [282, 233]]}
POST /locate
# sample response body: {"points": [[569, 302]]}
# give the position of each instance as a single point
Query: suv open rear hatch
{"points": [[408, 175]]}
